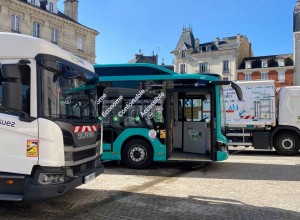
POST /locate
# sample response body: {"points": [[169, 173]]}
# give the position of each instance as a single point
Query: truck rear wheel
{"points": [[287, 144], [137, 154]]}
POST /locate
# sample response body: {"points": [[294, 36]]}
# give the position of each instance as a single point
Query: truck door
{"points": [[19, 148]]}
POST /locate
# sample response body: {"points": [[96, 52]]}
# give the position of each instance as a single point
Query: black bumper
{"points": [[34, 191]]}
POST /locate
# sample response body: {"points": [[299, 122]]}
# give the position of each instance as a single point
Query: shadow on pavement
{"points": [[216, 170], [93, 204]]}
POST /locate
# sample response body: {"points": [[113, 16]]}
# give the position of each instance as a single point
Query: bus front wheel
{"points": [[137, 154]]}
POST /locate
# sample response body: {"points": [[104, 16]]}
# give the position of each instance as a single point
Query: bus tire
{"points": [[137, 154], [287, 144]]}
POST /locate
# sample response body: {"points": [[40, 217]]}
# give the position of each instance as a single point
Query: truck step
{"points": [[239, 144], [11, 197], [238, 135]]}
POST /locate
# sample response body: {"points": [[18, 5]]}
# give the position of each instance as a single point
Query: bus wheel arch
{"points": [[286, 142], [137, 152]]}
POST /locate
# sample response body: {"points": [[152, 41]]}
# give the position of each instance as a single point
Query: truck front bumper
{"points": [[27, 188], [34, 191]]}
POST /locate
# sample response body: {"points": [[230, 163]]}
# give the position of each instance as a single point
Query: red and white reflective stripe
{"points": [[79, 129], [247, 117]]}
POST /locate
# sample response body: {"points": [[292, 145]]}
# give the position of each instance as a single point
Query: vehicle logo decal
{"points": [[79, 129]]}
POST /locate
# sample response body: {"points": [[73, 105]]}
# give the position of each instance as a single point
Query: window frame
{"points": [[264, 64], [281, 74], [225, 66], [15, 23], [182, 68], [54, 35], [36, 29], [203, 67], [264, 76], [248, 77], [80, 43]]}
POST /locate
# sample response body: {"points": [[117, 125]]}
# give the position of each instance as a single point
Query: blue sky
{"points": [[126, 26]]}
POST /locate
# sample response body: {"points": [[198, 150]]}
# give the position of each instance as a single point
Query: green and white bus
{"points": [[151, 113]]}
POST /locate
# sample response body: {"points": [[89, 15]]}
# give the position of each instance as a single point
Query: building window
{"points": [[54, 35], [264, 76], [203, 67], [32, 2], [226, 66], [281, 62], [51, 6], [36, 29], [264, 64], [281, 76], [182, 54], [182, 68], [248, 65], [248, 77], [15, 23], [225, 78], [80, 43]]}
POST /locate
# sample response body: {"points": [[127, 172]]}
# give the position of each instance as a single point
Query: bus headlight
{"points": [[51, 178]]}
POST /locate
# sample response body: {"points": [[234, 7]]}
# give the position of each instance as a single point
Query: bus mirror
{"points": [[12, 96], [238, 91], [11, 71]]}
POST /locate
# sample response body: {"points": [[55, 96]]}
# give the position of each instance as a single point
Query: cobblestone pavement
{"points": [[247, 186]]}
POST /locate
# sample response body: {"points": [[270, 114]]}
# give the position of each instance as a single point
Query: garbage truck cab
{"points": [[51, 137]]}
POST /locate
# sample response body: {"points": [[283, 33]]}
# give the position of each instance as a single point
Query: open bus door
{"points": [[189, 126]]}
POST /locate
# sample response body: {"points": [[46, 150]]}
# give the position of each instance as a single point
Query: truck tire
{"points": [[287, 144], [137, 154]]}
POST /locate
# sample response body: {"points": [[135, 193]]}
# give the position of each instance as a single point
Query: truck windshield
{"points": [[65, 95]]}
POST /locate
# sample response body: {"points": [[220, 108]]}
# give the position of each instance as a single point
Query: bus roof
{"points": [[19, 46], [144, 71]]}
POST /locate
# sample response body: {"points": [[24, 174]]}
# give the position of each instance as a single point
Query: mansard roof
{"points": [[256, 62]]}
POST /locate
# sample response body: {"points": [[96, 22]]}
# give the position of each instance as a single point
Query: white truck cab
{"points": [[51, 137]]}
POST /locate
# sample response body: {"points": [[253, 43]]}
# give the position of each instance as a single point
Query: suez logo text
{"points": [[130, 104], [7, 123]]}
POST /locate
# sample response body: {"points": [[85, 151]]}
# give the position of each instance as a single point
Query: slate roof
{"points": [[256, 62], [187, 41], [144, 59]]}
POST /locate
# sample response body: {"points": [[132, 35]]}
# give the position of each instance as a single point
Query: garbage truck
{"points": [[264, 119], [50, 133]]}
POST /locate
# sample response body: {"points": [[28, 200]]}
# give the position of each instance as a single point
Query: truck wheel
{"points": [[287, 144], [137, 154]]}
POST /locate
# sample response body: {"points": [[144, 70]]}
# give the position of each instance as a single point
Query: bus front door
{"points": [[195, 117]]}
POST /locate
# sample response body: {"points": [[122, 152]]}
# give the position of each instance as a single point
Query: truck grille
{"points": [[84, 154]]}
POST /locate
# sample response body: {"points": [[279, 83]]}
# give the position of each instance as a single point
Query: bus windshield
{"points": [[66, 94]]}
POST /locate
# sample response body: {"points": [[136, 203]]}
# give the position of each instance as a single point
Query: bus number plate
{"points": [[89, 178]]}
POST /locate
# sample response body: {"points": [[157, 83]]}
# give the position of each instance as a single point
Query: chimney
{"points": [[217, 40], [43, 4], [238, 38], [71, 9], [197, 44]]}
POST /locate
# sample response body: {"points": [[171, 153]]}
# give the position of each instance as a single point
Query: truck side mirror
{"points": [[12, 96], [12, 88]]}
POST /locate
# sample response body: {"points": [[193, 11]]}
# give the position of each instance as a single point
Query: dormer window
{"points": [[51, 6], [281, 62], [248, 64], [264, 63], [32, 2], [182, 54]]}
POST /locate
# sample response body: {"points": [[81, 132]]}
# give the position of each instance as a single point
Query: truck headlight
{"points": [[51, 178]]}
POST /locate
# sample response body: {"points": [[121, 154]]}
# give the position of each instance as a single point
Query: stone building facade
{"points": [[279, 68], [296, 30], [222, 56], [40, 18]]}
